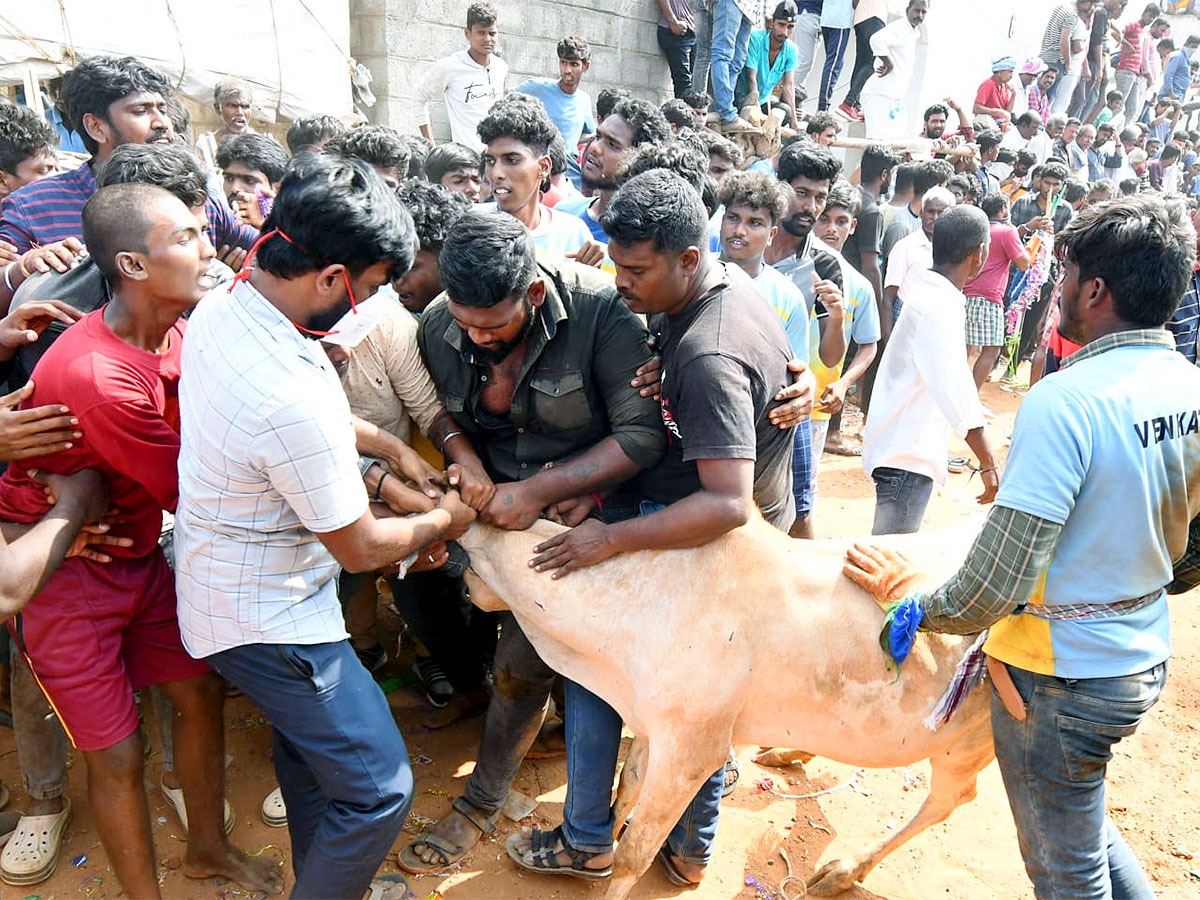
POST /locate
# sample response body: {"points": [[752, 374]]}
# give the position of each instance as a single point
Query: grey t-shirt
{"points": [[682, 9], [723, 360], [902, 225]]}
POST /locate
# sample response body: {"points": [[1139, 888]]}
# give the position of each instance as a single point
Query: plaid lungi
{"points": [[985, 323]]}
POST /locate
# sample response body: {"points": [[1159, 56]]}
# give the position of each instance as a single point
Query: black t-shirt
{"points": [[1099, 35], [723, 360], [868, 235]]}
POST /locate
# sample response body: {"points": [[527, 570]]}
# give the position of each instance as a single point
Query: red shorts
{"points": [[96, 633]]}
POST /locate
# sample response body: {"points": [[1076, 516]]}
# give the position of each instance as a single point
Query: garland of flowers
{"points": [[1028, 284]]}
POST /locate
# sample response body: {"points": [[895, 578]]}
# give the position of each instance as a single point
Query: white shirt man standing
{"points": [[469, 81], [924, 388], [895, 49]]}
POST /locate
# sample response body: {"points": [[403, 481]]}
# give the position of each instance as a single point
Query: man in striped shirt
{"points": [[1059, 40], [110, 101]]}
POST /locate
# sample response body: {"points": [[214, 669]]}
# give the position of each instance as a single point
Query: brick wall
{"points": [[397, 39]]}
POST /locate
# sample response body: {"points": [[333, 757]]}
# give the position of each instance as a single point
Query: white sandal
{"points": [[274, 810], [175, 798], [31, 854]]}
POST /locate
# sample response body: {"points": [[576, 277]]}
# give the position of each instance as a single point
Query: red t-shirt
{"points": [[1006, 248], [127, 403], [993, 95], [1060, 346], [1131, 60]]}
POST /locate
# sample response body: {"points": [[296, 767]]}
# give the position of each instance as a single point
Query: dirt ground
{"points": [[1154, 792]]}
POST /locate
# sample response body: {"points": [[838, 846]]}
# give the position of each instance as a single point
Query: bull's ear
{"points": [[482, 595]]}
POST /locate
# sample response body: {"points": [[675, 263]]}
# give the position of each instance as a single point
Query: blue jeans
{"points": [[339, 757], [1053, 765], [680, 50], [900, 500], [730, 41], [593, 735]]}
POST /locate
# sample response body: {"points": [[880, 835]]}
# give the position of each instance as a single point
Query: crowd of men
{"points": [[248, 382]]}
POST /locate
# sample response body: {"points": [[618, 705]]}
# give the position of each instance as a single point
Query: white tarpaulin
{"points": [[295, 53]]}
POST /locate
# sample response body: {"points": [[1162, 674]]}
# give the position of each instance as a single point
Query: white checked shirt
{"points": [[267, 458]]}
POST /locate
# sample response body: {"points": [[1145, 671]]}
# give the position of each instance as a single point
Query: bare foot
{"points": [[462, 705], [50, 807], [551, 742], [254, 874], [692, 871], [454, 832]]}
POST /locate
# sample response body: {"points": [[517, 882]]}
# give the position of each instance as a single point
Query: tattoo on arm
{"points": [[579, 473]]}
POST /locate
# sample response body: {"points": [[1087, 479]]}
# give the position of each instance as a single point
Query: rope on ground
{"points": [[785, 886]]}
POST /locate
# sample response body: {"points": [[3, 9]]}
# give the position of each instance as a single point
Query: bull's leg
{"points": [[673, 775], [630, 785], [952, 783]]}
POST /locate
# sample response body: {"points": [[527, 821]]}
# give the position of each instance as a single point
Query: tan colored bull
{"points": [[754, 638]]}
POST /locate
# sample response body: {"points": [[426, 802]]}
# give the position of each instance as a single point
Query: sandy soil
{"points": [[1153, 795]]}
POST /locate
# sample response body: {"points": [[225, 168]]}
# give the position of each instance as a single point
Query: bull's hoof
{"points": [[781, 757], [832, 879]]}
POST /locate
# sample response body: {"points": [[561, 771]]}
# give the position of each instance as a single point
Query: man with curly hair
{"points": [[631, 123], [26, 148], [309, 134], [434, 210], [110, 102], [823, 128], [383, 149], [517, 134], [754, 205]]}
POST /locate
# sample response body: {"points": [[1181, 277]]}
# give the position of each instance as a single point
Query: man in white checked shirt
{"points": [[272, 504]]}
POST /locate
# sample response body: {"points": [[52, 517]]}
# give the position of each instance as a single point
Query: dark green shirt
{"points": [[573, 388]]}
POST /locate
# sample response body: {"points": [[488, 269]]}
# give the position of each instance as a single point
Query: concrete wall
{"points": [[397, 39]]}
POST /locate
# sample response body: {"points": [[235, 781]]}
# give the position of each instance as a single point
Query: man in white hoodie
{"points": [[469, 81]]}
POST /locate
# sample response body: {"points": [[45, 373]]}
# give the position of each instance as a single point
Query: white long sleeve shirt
{"points": [[468, 89], [898, 42], [924, 389]]}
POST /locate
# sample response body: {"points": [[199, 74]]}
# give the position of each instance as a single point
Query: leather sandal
{"points": [[538, 850], [410, 861]]}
